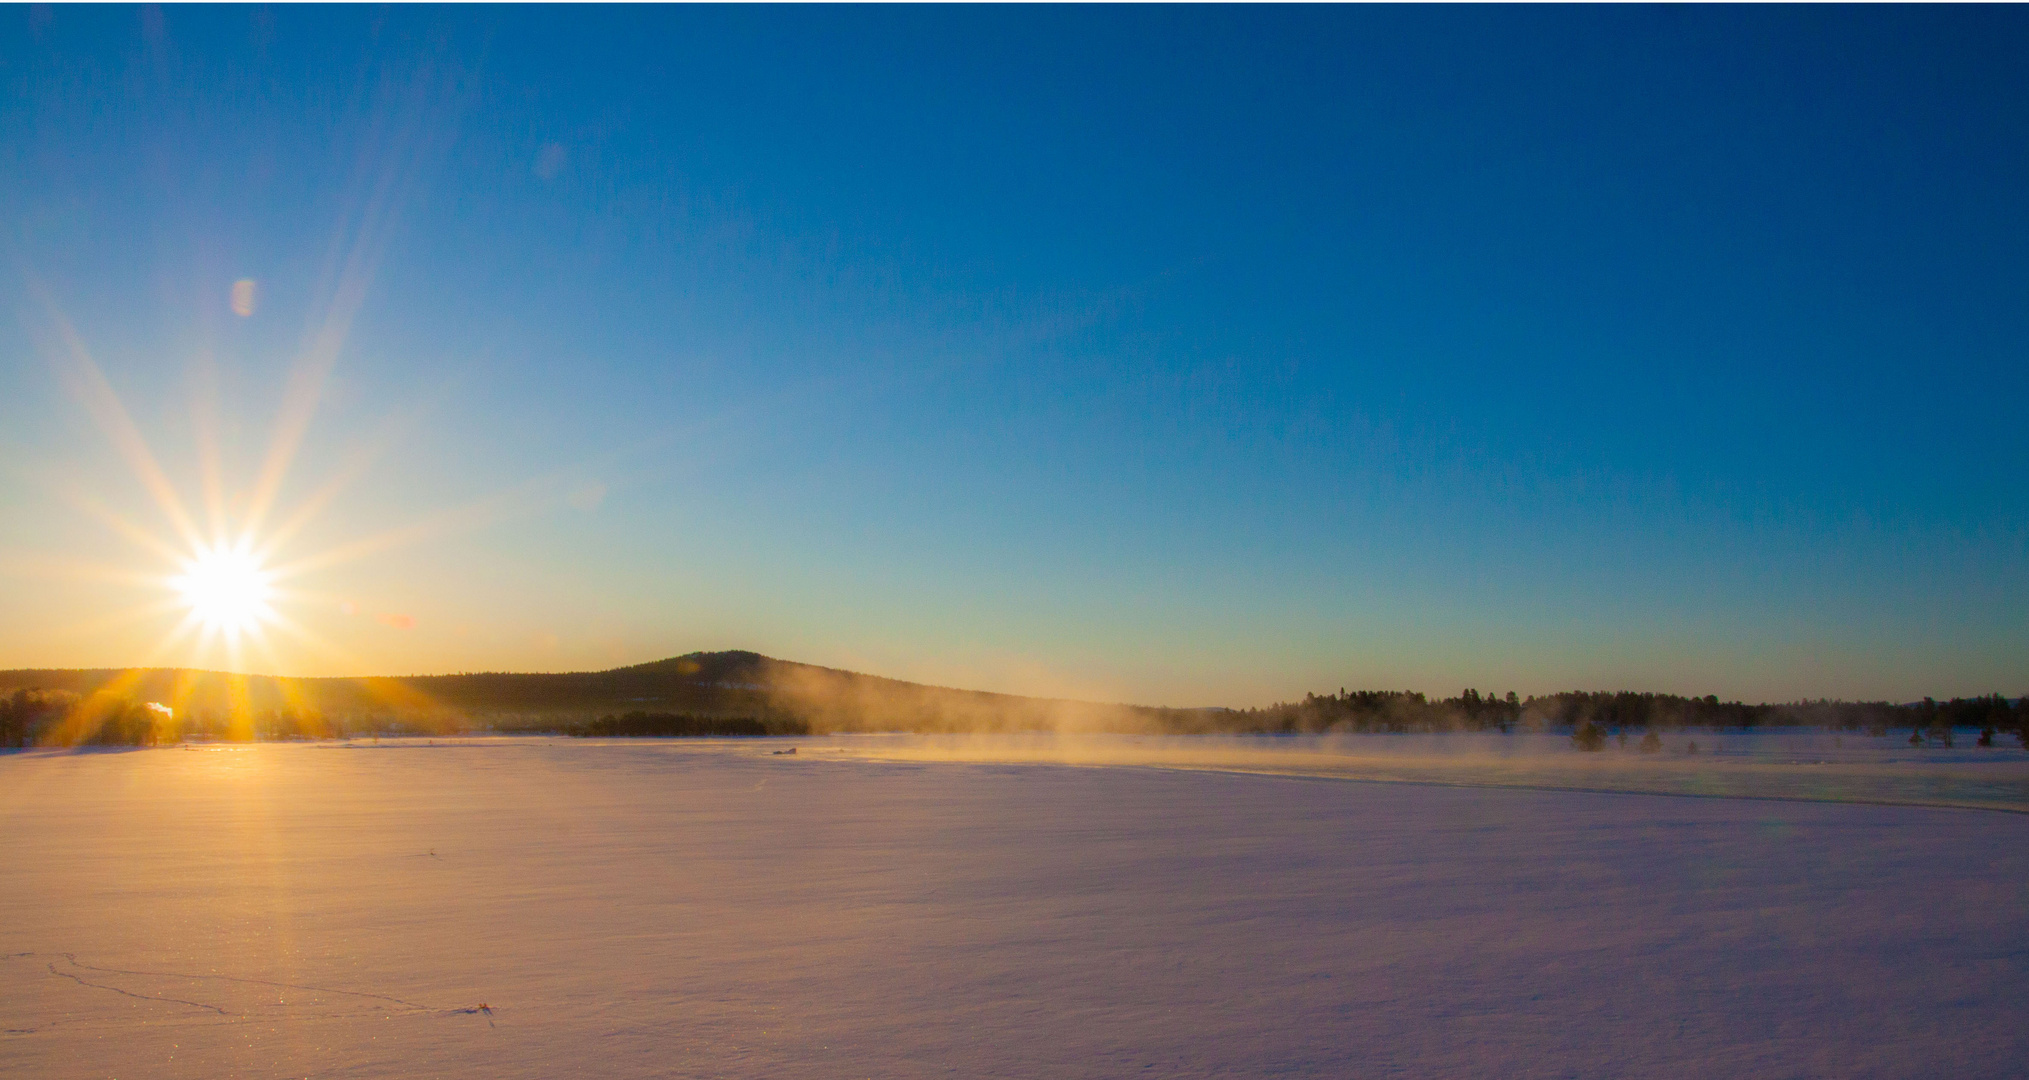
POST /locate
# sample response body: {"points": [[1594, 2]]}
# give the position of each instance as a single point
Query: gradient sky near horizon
{"points": [[1175, 355]]}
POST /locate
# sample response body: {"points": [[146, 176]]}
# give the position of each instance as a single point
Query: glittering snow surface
{"points": [[546, 908]]}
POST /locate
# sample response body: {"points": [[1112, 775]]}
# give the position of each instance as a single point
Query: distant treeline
{"points": [[62, 718], [1405, 711], [645, 724], [35, 717], [833, 702], [1380, 710]]}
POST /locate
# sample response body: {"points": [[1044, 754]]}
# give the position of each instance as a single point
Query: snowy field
{"points": [[908, 907], [1767, 763]]}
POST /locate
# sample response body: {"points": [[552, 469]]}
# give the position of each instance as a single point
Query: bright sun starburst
{"points": [[227, 589], [221, 565]]}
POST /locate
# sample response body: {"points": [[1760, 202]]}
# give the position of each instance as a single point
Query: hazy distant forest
{"points": [[1591, 716], [730, 694]]}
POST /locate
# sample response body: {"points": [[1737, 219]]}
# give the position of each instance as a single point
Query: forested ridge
{"points": [[1402, 711], [744, 693]]}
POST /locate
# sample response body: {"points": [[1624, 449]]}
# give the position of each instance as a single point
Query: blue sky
{"points": [[1171, 355]]}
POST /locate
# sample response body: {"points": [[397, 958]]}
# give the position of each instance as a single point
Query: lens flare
{"points": [[227, 589]]}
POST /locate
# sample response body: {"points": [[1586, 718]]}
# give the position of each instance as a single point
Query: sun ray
{"points": [[356, 465], [84, 719], [316, 641], [284, 593], [239, 707], [210, 461], [183, 695], [235, 656], [77, 370], [522, 500], [385, 170], [218, 570], [260, 644], [204, 633], [30, 565], [127, 530], [126, 616], [183, 628]]}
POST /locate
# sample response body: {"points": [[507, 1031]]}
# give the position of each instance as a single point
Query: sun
{"points": [[227, 589]]}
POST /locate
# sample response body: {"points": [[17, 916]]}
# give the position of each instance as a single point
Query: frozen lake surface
{"points": [[1766, 763], [910, 907]]}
